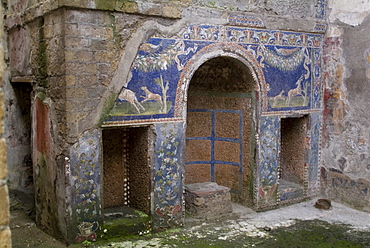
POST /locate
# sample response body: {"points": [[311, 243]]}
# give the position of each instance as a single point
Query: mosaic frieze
{"points": [[287, 65]]}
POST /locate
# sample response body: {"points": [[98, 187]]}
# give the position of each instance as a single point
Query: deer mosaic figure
{"points": [[129, 95], [298, 91], [149, 96], [278, 97]]}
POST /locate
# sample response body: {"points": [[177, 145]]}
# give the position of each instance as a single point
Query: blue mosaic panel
{"points": [[313, 166], [85, 183], [268, 161], [286, 63], [269, 150], [168, 202]]}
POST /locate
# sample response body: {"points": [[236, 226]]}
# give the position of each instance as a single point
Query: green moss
{"points": [[41, 59], [105, 4], [108, 105], [130, 227], [119, 5]]}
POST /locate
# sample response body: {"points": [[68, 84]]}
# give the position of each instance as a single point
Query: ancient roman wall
{"points": [[5, 235], [345, 155], [77, 57]]}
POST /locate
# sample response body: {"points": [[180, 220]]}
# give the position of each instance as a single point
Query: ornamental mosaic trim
{"points": [[250, 21], [321, 9], [286, 64]]}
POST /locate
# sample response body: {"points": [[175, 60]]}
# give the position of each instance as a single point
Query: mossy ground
{"points": [[302, 234]]}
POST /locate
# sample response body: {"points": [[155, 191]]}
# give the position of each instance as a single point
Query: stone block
{"points": [[171, 11], [207, 199], [5, 240], [3, 166], [4, 206]]}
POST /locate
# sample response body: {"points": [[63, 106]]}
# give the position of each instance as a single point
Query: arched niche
{"points": [[222, 104]]}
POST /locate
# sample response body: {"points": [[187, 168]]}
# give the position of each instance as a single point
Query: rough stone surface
{"points": [[207, 199], [5, 234], [345, 153]]}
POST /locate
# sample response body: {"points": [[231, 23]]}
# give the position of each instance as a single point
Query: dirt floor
{"points": [[26, 234], [300, 225]]}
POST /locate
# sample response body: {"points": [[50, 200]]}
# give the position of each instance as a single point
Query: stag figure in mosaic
{"points": [[129, 96], [150, 96], [297, 91]]}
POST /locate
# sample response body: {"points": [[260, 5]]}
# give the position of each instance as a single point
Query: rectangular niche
{"points": [[126, 168], [293, 157]]}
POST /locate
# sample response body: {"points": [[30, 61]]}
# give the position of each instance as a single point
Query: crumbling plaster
{"points": [[345, 153]]}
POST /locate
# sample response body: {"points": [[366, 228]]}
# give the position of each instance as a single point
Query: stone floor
{"points": [[244, 228]]}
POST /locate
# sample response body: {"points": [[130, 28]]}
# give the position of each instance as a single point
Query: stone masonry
{"points": [[207, 199], [5, 235]]}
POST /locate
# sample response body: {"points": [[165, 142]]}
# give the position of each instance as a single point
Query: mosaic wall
{"points": [[168, 199], [83, 170], [269, 161], [287, 67]]}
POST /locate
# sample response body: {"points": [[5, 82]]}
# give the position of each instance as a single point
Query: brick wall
{"points": [[4, 199]]}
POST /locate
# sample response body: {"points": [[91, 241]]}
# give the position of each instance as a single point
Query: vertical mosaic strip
{"points": [[168, 202], [268, 159], [317, 80], [367, 63], [85, 182], [321, 9]]}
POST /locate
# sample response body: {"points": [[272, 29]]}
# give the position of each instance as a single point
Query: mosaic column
{"points": [[168, 197], [268, 161]]}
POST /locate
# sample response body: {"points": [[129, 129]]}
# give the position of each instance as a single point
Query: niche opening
{"points": [[126, 172], [293, 155]]}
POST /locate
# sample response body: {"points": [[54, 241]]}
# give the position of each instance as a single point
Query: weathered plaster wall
{"points": [[5, 235], [345, 153]]}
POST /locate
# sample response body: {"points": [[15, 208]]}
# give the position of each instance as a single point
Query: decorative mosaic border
{"points": [[210, 49], [242, 20]]}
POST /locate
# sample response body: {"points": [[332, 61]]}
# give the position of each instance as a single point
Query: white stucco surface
{"points": [[351, 12]]}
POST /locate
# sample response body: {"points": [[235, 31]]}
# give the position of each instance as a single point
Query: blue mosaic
{"points": [[313, 165], [288, 64], [168, 202], [321, 9], [85, 183]]}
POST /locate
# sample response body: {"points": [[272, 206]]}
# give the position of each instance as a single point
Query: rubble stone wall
{"points": [[5, 235]]}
